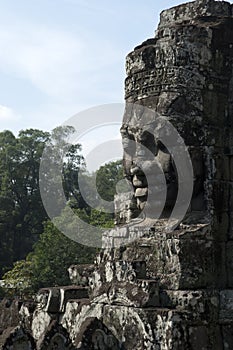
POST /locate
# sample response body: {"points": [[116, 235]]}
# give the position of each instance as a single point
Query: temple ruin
{"points": [[152, 288]]}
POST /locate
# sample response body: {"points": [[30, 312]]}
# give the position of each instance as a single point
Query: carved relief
{"points": [[55, 338], [94, 335]]}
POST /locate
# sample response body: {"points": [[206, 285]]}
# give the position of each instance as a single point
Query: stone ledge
{"points": [[203, 304], [195, 9], [53, 300]]}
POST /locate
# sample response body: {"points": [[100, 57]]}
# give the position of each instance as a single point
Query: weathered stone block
{"points": [[160, 329], [226, 305], [9, 313], [55, 337], [227, 337], [203, 304], [126, 270], [125, 283], [80, 274], [181, 263], [198, 337], [115, 238], [229, 263], [231, 166], [134, 329], [190, 11], [221, 226], [26, 315], [53, 300], [125, 205], [16, 338], [230, 226], [221, 195], [222, 166]]}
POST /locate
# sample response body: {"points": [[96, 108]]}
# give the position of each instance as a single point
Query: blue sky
{"points": [[59, 57]]}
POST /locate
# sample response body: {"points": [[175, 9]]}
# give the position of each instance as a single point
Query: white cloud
{"points": [[7, 114], [60, 64]]}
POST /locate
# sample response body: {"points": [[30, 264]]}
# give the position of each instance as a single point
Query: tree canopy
{"points": [[22, 212], [33, 253]]}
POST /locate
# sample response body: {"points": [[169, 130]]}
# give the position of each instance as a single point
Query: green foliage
{"points": [[52, 256], [107, 178], [42, 253], [101, 219], [19, 280], [48, 263], [22, 212], [2, 293], [96, 218]]}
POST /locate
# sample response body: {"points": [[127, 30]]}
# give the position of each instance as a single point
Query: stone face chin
{"points": [[151, 288]]}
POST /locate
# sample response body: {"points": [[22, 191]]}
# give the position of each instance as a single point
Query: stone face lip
{"points": [[141, 192]]}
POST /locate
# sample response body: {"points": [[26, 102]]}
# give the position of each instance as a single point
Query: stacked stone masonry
{"points": [[150, 288]]}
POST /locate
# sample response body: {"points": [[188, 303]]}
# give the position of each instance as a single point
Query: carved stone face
{"points": [[159, 165], [147, 162]]}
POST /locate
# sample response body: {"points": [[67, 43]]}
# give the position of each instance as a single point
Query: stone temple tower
{"points": [[185, 75], [154, 288]]}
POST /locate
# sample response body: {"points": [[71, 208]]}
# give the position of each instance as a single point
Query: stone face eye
{"points": [[148, 141]]}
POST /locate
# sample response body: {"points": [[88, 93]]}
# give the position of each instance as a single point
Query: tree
{"points": [[7, 202], [47, 264], [25, 188], [107, 177], [52, 256], [60, 165], [22, 212], [19, 280], [7, 224]]}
